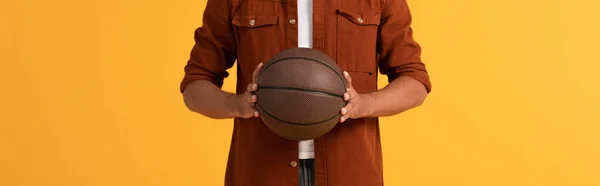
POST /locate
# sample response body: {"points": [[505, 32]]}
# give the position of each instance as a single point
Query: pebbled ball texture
{"points": [[300, 93]]}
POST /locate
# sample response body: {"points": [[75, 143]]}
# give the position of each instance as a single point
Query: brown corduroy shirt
{"points": [[364, 37]]}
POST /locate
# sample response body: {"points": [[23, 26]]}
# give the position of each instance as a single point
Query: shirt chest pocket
{"points": [[357, 40], [256, 34]]}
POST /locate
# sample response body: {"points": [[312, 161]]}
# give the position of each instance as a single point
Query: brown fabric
{"points": [[252, 31]]}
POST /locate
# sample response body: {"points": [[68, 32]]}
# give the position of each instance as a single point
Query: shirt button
{"points": [[292, 21], [252, 22], [360, 20], [294, 164]]}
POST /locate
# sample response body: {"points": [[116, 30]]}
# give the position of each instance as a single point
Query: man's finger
{"points": [[255, 73], [348, 79], [249, 87], [253, 112], [344, 118], [352, 94], [251, 98], [348, 108], [250, 112]]}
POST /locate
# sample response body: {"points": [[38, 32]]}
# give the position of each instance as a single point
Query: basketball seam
{"points": [[294, 123], [300, 90], [310, 59]]}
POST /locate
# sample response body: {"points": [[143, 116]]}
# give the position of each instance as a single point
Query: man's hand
{"points": [[243, 104], [358, 104]]}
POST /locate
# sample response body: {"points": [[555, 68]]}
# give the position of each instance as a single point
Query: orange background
{"points": [[90, 96]]}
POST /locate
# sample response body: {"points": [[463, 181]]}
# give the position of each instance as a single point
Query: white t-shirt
{"points": [[305, 9]]}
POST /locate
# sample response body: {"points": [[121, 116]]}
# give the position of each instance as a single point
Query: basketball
{"points": [[300, 93]]}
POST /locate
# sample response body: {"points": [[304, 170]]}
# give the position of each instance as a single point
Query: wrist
{"points": [[232, 105], [369, 104]]}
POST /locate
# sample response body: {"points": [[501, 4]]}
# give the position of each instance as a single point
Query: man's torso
{"points": [[347, 31]]}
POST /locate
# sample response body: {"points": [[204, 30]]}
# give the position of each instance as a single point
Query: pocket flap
{"points": [[249, 20], [359, 17]]}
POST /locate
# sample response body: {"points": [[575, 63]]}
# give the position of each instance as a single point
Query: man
{"points": [[363, 36]]}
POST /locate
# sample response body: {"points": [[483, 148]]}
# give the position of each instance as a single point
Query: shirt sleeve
{"points": [[399, 53], [214, 49]]}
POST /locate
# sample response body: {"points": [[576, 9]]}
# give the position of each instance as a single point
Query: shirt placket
{"points": [[319, 44], [292, 27]]}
